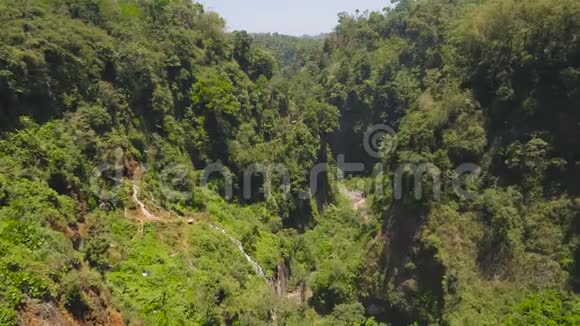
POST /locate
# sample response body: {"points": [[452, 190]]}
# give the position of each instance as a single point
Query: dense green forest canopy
{"points": [[291, 53], [112, 113]]}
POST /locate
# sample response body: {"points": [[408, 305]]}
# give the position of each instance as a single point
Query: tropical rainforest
{"points": [[111, 112]]}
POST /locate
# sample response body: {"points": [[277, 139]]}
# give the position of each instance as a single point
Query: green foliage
{"points": [[464, 82], [500, 211], [213, 92], [292, 53], [96, 93], [546, 308], [91, 90]]}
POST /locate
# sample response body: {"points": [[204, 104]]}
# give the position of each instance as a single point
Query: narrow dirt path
{"points": [[147, 216], [356, 198], [358, 202]]}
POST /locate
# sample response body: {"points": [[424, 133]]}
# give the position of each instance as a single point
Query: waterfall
{"points": [[144, 210], [281, 279], [259, 270]]}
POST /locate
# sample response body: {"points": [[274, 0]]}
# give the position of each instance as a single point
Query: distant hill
{"points": [[291, 52], [320, 36]]}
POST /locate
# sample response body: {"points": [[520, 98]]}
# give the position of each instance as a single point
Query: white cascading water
{"points": [[143, 208], [259, 270]]}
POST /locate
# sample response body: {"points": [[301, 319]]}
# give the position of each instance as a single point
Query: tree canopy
{"points": [[127, 130]]}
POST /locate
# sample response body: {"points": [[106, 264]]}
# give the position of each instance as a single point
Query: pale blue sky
{"points": [[294, 17]]}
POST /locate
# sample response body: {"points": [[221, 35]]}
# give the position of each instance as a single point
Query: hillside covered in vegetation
{"points": [[157, 170]]}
